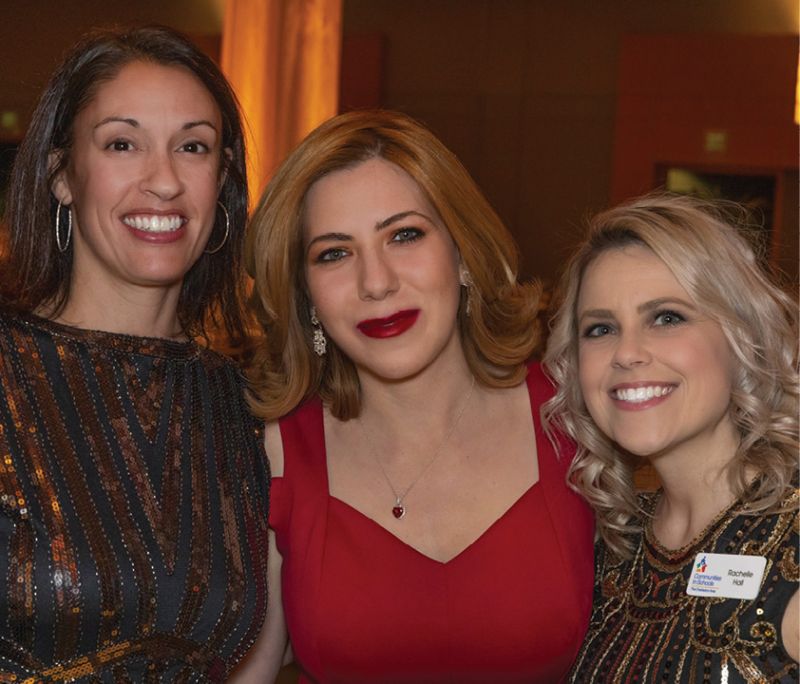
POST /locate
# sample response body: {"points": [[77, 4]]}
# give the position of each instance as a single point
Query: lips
{"points": [[391, 326], [641, 395]]}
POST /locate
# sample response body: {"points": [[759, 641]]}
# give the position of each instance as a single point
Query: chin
{"points": [[392, 372], [643, 447]]}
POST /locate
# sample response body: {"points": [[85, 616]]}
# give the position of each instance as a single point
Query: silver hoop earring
{"points": [[227, 231], [319, 341], [63, 247]]}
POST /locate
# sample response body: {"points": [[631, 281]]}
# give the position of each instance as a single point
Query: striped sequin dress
{"points": [[133, 508]]}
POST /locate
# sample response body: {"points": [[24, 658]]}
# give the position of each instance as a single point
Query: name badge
{"points": [[726, 575]]}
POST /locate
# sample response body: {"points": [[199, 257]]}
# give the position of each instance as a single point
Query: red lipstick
{"points": [[391, 326]]}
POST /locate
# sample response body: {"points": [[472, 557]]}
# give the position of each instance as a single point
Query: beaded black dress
{"points": [[133, 509], [645, 628]]}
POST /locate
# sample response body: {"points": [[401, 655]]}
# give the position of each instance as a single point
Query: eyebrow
{"points": [[380, 225], [199, 122], [399, 217], [135, 124], [642, 308], [116, 119]]}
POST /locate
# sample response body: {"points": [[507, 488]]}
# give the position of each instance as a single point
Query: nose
{"points": [[631, 351], [161, 178], [377, 278]]}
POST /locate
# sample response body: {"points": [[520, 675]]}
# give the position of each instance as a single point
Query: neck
{"points": [[429, 401], [695, 487], [142, 312]]}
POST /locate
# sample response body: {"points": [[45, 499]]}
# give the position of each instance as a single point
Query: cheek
{"points": [[588, 370], [325, 291], [590, 380]]}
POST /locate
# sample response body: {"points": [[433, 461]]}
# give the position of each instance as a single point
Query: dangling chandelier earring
{"points": [[319, 341], [65, 246], [465, 280]]}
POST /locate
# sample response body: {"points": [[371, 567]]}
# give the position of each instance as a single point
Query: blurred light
{"points": [[9, 121], [797, 96]]}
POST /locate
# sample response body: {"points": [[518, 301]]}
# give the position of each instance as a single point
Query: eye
{"points": [[407, 235], [329, 255], [598, 330], [668, 318], [120, 145], [194, 147]]}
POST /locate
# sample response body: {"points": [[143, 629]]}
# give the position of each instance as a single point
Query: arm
{"points": [[270, 649], [790, 627]]}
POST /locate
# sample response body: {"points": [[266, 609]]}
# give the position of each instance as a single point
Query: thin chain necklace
{"points": [[399, 508]]}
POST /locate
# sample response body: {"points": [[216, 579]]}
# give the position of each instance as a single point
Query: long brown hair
{"points": [[35, 273], [499, 334]]}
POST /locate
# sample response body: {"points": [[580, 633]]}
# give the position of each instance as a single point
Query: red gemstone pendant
{"points": [[399, 510]]}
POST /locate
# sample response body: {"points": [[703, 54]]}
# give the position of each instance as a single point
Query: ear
{"points": [[227, 158], [60, 184]]}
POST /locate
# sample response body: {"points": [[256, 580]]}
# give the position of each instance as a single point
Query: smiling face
{"points": [[655, 373], [382, 271], [142, 179]]}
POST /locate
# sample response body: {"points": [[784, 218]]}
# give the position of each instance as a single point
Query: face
{"points": [[382, 270], [143, 178], [655, 373]]}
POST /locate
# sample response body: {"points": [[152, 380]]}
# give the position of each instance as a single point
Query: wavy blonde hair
{"points": [[499, 334], [720, 271]]}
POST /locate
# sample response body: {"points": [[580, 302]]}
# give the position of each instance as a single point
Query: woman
{"points": [[423, 523], [671, 346], [132, 490]]}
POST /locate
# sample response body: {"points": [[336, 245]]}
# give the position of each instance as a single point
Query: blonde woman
{"points": [[423, 520], [672, 346]]}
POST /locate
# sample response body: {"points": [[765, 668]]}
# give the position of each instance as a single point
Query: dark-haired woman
{"points": [[133, 490]]}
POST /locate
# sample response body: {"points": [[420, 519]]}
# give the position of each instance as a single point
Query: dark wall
{"points": [[524, 92]]}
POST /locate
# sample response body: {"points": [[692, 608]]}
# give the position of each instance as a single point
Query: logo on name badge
{"points": [[726, 575]]}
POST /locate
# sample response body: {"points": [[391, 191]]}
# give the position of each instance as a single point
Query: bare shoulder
{"points": [[273, 444]]}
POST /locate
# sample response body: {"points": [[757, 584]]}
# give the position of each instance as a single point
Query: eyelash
{"points": [[119, 141], [402, 236], [678, 318], [411, 234], [202, 148], [596, 330], [330, 255], [593, 330]]}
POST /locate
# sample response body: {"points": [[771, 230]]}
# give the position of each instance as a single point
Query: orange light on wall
{"points": [[797, 96], [282, 58]]}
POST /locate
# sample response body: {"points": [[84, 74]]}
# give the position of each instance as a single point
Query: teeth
{"points": [[639, 394], [154, 224]]}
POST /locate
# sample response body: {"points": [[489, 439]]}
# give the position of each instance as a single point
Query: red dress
{"points": [[362, 606]]}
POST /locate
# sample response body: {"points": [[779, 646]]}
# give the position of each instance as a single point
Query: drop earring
{"points": [[319, 341]]}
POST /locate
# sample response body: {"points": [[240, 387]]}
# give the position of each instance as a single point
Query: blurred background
{"points": [[558, 109]]}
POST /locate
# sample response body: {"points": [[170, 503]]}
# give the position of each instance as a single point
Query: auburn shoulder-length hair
{"points": [[34, 272], [718, 268], [498, 335]]}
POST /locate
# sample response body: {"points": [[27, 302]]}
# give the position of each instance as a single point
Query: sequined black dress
{"points": [[646, 629], [133, 509]]}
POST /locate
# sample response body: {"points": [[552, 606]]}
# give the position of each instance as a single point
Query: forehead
{"points": [[368, 192], [627, 275], [147, 90]]}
